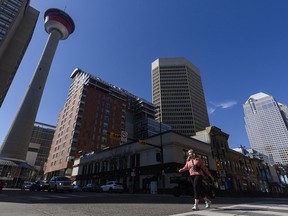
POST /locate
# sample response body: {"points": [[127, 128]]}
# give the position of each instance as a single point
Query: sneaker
{"points": [[207, 204], [195, 207]]}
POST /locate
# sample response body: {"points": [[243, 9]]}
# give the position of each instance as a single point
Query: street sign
{"points": [[124, 136]]}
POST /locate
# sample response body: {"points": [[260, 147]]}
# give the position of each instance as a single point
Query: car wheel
{"points": [[110, 190], [55, 189]]}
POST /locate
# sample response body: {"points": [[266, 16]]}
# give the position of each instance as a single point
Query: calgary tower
{"points": [[59, 26]]}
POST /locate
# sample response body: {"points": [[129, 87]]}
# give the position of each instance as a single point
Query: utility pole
{"points": [[161, 149]]}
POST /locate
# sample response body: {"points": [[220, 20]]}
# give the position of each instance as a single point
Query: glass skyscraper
{"points": [[266, 126]]}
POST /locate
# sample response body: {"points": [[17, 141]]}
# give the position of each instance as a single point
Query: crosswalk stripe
{"points": [[204, 213], [182, 214], [255, 206], [256, 209], [274, 213], [239, 213]]}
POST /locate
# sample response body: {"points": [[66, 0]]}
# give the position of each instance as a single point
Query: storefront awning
{"points": [[7, 163]]}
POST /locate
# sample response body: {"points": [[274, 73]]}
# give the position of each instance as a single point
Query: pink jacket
{"points": [[196, 161]]}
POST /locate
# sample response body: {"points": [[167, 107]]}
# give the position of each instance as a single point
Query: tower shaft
{"points": [[16, 142]]}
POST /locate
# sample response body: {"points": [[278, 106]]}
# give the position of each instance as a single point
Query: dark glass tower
{"points": [[17, 23]]}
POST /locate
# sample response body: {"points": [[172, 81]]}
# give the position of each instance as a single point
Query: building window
{"points": [[104, 166], [113, 164]]}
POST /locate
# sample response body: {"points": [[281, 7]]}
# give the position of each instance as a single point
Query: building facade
{"points": [[93, 112], [241, 171], [39, 147], [178, 92], [266, 127], [136, 165], [17, 23]]}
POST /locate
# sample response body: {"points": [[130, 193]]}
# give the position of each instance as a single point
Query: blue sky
{"points": [[240, 47]]}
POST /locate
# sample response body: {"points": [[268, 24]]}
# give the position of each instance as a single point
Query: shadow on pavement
{"points": [[33, 197]]}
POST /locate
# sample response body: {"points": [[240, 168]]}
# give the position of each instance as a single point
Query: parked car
{"points": [[40, 185], [112, 186], [76, 188], [60, 183], [91, 188], [26, 185]]}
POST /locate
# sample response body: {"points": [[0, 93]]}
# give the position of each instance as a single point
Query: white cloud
{"points": [[211, 110], [227, 104], [221, 105]]}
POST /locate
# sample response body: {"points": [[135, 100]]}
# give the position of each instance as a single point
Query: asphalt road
{"points": [[21, 203]]}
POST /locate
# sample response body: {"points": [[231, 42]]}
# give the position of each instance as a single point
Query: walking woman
{"points": [[195, 166]]}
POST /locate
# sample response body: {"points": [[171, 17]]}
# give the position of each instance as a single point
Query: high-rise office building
{"points": [[39, 146], [17, 23], [266, 127], [178, 93], [93, 109]]}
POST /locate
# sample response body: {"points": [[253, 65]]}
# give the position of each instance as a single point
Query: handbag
{"points": [[195, 167]]}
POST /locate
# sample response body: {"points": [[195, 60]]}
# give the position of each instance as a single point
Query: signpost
{"points": [[124, 136]]}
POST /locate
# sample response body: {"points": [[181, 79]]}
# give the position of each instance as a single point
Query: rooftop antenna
{"points": [[65, 7]]}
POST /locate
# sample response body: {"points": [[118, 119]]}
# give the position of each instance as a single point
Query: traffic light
{"points": [[141, 141], [158, 156], [218, 165], [114, 135]]}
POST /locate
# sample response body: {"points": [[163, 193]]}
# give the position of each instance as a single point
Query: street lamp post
{"points": [[161, 149]]}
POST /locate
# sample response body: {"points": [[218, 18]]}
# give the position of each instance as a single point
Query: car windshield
{"points": [[63, 179], [27, 183]]}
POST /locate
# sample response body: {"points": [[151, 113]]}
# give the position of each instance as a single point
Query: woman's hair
{"points": [[190, 150], [191, 156]]}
